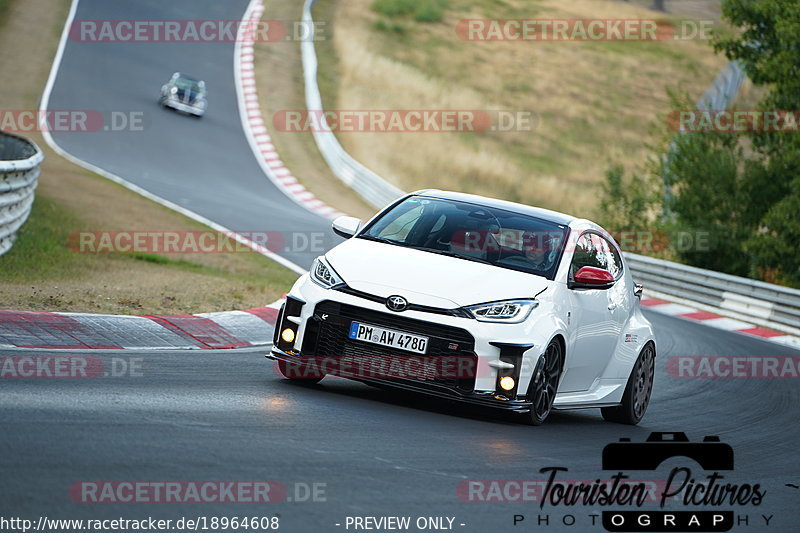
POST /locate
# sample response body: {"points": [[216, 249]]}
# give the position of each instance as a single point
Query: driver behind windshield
{"points": [[539, 251]]}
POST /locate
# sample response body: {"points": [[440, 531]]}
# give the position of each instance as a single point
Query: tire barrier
{"points": [[19, 175]]}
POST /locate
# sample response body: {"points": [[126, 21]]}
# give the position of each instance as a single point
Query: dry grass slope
{"points": [[595, 102]]}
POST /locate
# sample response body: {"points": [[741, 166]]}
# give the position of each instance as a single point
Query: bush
{"points": [[3, 9], [394, 27], [421, 10], [773, 248], [429, 11], [392, 8], [627, 204]]}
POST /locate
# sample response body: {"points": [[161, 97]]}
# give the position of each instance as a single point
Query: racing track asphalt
{"points": [[204, 165], [224, 415]]}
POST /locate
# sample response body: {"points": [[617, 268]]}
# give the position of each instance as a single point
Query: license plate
{"points": [[388, 337]]}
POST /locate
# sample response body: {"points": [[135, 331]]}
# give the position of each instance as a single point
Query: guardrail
{"points": [[373, 188], [725, 88], [19, 174], [754, 301]]}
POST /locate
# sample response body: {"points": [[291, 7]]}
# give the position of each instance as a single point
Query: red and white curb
{"points": [[236, 329], [231, 329], [720, 322], [255, 127]]}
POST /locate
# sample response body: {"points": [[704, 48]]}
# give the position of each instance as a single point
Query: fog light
{"points": [[288, 335], [507, 383]]}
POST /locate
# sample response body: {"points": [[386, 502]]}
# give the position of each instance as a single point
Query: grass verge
{"points": [[594, 103], [42, 272]]}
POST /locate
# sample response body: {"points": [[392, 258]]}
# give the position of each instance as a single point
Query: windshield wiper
{"points": [[448, 253], [380, 239]]}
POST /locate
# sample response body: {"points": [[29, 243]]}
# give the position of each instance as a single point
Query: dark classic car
{"points": [[184, 93]]}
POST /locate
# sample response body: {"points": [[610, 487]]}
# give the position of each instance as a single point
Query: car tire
{"points": [[638, 391], [291, 374], [544, 383]]}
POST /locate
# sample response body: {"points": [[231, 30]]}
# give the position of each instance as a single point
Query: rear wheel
{"points": [[544, 383], [637, 393], [298, 372]]}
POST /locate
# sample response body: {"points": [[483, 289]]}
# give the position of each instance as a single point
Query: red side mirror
{"points": [[593, 276]]}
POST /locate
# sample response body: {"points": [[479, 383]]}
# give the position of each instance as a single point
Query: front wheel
{"points": [[637, 393], [544, 383]]}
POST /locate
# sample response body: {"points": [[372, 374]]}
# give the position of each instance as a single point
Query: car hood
{"points": [[426, 278]]}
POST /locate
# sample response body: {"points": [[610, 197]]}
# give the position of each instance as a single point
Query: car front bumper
{"points": [[481, 398], [537, 331], [184, 107]]}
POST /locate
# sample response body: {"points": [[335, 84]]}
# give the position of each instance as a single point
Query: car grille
{"points": [[329, 338], [411, 307]]}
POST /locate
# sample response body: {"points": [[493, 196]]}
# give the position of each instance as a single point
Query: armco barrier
{"points": [[746, 299], [374, 189], [725, 88], [19, 174], [753, 301]]}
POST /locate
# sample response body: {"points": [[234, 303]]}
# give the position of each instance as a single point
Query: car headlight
{"points": [[173, 90], [323, 274], [507, 311]]}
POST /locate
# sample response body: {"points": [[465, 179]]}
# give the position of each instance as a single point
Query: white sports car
{"points": [[478, 300]]}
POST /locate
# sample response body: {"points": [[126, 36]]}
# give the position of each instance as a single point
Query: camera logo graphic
{"points": [[711, 454]]}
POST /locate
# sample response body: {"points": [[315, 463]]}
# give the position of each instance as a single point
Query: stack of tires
{"points": [[19, 175]]}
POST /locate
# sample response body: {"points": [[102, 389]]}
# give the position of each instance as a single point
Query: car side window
{"points": [[584, 254], [591, 249], [607, 255]]}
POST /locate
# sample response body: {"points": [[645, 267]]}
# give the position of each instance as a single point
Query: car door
{"points": [[595, 327], [619, 297]]}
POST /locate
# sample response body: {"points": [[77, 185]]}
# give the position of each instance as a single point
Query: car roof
{"points": [[538, 212], [187, 77]]}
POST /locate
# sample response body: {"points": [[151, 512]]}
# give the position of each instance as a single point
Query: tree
{"points": [[775, 249], [743, 189], [769, 49], [627, 203], [720, 194]]}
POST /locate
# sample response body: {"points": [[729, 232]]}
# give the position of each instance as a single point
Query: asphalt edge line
{"points": [[45, 101]]}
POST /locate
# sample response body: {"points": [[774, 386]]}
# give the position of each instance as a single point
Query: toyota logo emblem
{"points": [[397, 303]]}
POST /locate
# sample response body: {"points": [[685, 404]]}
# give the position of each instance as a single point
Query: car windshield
{"points": [[472, 232], [188, 84]]}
